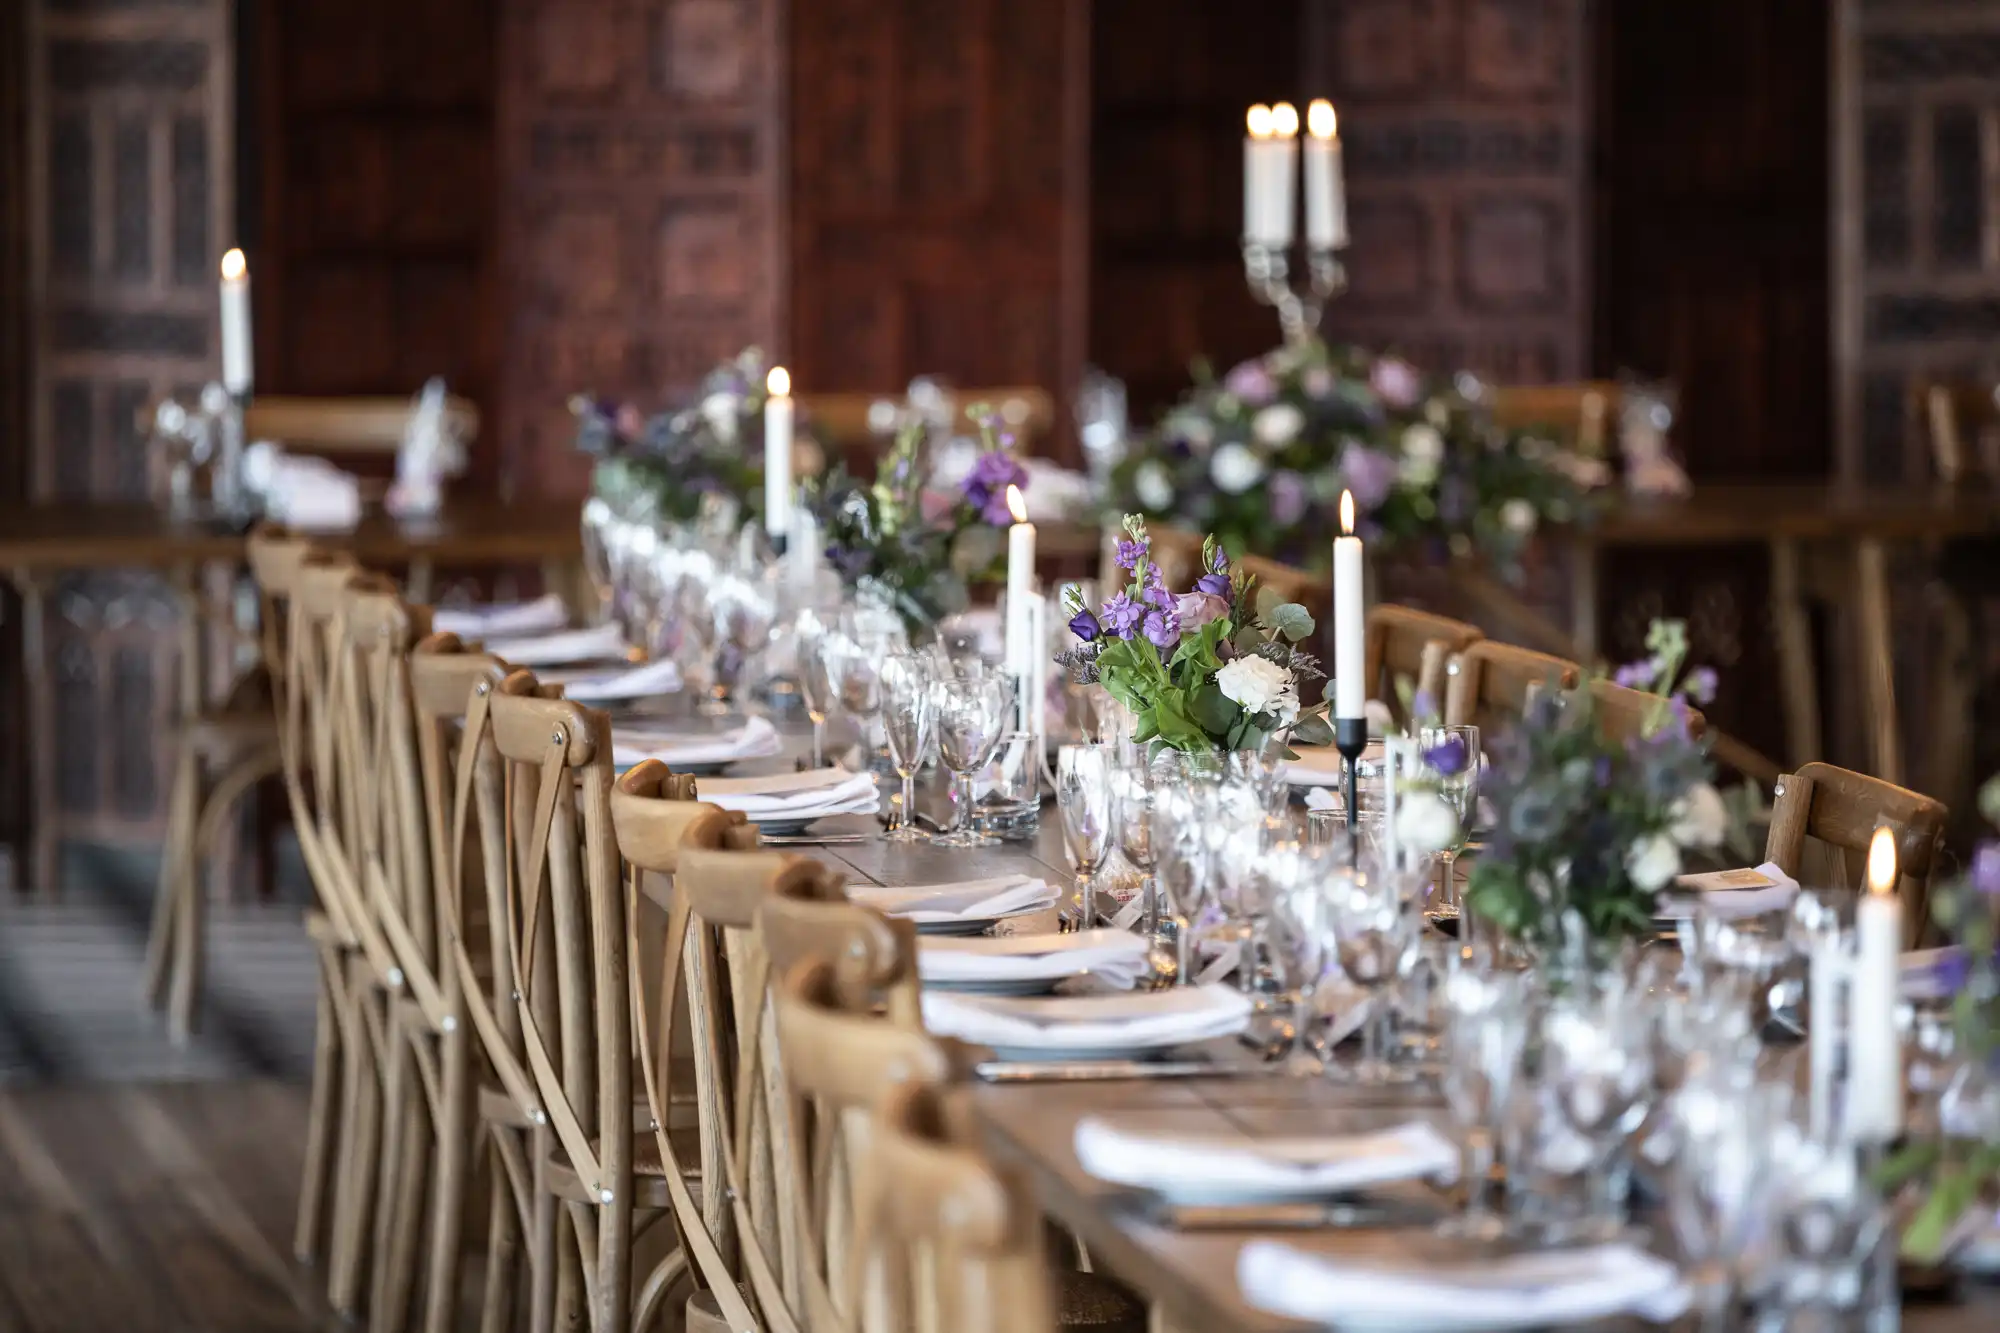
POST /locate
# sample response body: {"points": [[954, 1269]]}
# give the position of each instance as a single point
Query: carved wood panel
{"points": [[641, 185], [1464, 125], [937, 192], [129, 180]]}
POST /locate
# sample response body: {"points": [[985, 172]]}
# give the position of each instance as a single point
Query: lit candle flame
{"points": [[1882, 861], [779, 382], [1320, 120], [1259, 121], [1016, 505], [1285, 120], [234, 266], [1347, 513]]}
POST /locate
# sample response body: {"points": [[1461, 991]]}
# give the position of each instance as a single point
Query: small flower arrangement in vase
{"points": [[913, 548], [1588, 831], [1199, 670]]}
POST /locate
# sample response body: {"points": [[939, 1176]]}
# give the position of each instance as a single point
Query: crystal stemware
{"points": [[1296, 876], [1730, 1133], [1371, 914], [974, 709], [1451, 754], [1597, 1066], [1083, 798], [909, 722], [1485, 1031], [819, 665], [1133, 790]]}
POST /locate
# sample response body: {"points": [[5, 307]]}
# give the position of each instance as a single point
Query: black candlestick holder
{"points": [[1350, 737]]}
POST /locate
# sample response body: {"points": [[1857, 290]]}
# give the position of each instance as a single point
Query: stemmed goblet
{"points": [[1083, 798], [1597, 1064], [1373, 921], [1452, 756], [1133, 791], [909, 717], [819, 681], [1486, 1025], [975, 706]]}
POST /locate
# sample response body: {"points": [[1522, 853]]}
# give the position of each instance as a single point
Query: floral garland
{"points": [[682, 463], [1260, 457], [1199, 670], [899, 542], [1588, 831]]}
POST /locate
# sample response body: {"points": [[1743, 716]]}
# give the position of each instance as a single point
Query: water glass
{"points": [[819, 673], [1371, 912], [1451, 754], [1597, 1069], [975, 708], [1133, 791], [909, 717], [1729, 1131], [1485, 1020], [1083, 798]]}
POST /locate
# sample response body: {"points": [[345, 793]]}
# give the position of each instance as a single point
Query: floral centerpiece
{"points": [[676, 463], [1587, 831], [1260, 457], [1199, 670], [910, 546]]}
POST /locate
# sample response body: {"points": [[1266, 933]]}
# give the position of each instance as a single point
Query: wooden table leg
{"points": [[1878, 660], [1800, 680]]}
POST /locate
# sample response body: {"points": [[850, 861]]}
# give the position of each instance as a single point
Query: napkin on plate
{"points": [[595, 644], [756, 739], [1115, 1022], [788, 797], [1322, 1164], [639, 682], [1540, 1289], [502, 619], [1115, 957], [1771, 891], [972, 899]]}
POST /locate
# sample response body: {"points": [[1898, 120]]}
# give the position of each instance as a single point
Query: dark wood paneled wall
{"points": [[1465, 125], [938, 192], [1170, 80], [14, 204], [642, 171], [374, 139]]}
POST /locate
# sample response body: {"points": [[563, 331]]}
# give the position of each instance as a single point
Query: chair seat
{"points": [[649, 1170]]}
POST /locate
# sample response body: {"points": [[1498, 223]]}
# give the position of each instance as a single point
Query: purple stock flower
{"points": [[1369, 473], [995, 512], [986, 485], [1634, 675], [1156, 594], [1121, 616], [1130, 553], [1448, 757], [1700, 684], [1288, 497], [1163, 629], [1395, 382], [1252, 383], [1986, 868], [1214, 585], [1084, 625]]}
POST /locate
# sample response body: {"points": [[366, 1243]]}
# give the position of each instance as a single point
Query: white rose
{"points": [[1280, 423], [1700, 817], [1235, 468], [1258, 684], [1423, 444], [1424, 820], [1518, 516], [719, 410], [1653, 862], [1153, 487]]}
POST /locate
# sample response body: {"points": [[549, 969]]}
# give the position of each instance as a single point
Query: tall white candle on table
{"points": [[1350, 627], [1874, 1052], [1256, 155], [1326, 195], [1020, 645], [1283, 222], [237, 372], [1825, 980], [778, 454]]}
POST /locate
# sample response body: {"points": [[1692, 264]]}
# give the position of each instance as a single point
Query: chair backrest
{"points": [[1840, 809], [275, 560], [1625, 714], [1489, 684], [1278, 583], [1958, 420], [978, 1225], [851, 419], [565, 914], [1584, 415], [346, 427], [1405, 644]]}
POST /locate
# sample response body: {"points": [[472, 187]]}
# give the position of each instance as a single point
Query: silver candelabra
{"points": [[1268, 270]]}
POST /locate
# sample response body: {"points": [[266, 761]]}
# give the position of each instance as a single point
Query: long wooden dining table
{"points": [[1190, 1275]]}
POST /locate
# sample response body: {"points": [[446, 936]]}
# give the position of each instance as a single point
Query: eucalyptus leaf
{"points": [[1313, 729], [1292, 621]]}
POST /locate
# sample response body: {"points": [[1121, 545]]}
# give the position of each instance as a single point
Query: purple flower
{"points": [[1084, 625], [986, 485], [1252, 383], [1369, 473], [1448, 757], [1121, 616], [1196, 609], [1634, 675], [1986, 868], [1130, 553], [1214, 585], [1163, 629], [1700, 684], [1288, 497], [1952, 971], [1156, 593], [1423, 704], [995, 512], [1395, 382]]}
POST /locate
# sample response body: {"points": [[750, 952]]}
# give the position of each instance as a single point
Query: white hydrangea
{"points": [[1700, 817], [1259, 685], [1236, 468], [1153, 486], [1426, 822], [1653, 862], [720, 411], [1278, 424]]}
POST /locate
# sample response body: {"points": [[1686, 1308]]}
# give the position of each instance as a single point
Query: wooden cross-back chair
{"points": [[1405, 644], [1584, 414], [1626, 714], [851, 421], [1279, 583], [1839, 810], [346, 426], [978, 1225], [1489, 684]]}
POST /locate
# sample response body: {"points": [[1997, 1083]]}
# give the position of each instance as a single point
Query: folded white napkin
{"points": [[1116, 1022], [596, 644], [632, 742], [1773, 894], [972, 899], [639, 682], [1203, 1163], [498, 619], [1547, 1288], [784, 797], [305, 492], [1115, 957]]}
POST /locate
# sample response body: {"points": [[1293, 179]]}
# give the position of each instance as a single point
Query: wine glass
{"points": [[1132, 794], [1083, 797], [1597, 1064], [1451, 754], [819, 683], [1374, 925], [909, 715], [974, 708], [1731, 1133], [1296, 875], [1485, 1029]]}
